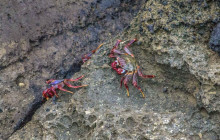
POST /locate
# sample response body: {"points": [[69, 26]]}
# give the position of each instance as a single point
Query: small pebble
{"points": [[140, 29], [165, 89], [47, 110], [164, 2], [139, 42], [150, 28], [21, 84]]}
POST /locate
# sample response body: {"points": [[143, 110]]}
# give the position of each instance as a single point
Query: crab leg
{"points": [[126, 47], [71, 86], [114, 49], [135, 83], [143, 76], [61, 88], [126, 80], [117, 51], [74, 79], [88, 56], [117, 43], [93, 51], [122, 80]]}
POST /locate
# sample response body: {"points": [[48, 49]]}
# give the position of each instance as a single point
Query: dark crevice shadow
{"points": [[37, 103]]}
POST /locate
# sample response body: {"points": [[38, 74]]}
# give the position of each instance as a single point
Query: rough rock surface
{"points": [[182, 102], [103, 111], [46, 39], [180, 39]]}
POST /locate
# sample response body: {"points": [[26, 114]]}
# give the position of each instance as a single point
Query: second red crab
{"points": [[125, 63]]}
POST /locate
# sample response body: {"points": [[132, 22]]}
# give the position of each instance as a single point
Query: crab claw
{"points": [[118, 70], [47, 93]]}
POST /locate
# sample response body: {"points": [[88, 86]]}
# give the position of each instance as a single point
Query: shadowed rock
{"points": [[215, 39]]}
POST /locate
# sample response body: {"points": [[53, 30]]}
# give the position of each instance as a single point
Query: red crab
{"points": [[126, 63], [59, 84], [88, 56]]}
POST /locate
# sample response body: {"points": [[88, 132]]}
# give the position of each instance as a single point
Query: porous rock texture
{"points": [[182, 101]]}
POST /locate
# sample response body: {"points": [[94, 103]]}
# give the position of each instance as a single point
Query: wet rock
{"points": [[214, 42]]}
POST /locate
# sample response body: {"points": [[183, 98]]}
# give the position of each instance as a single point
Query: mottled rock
{"points": [[180, 41]]}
